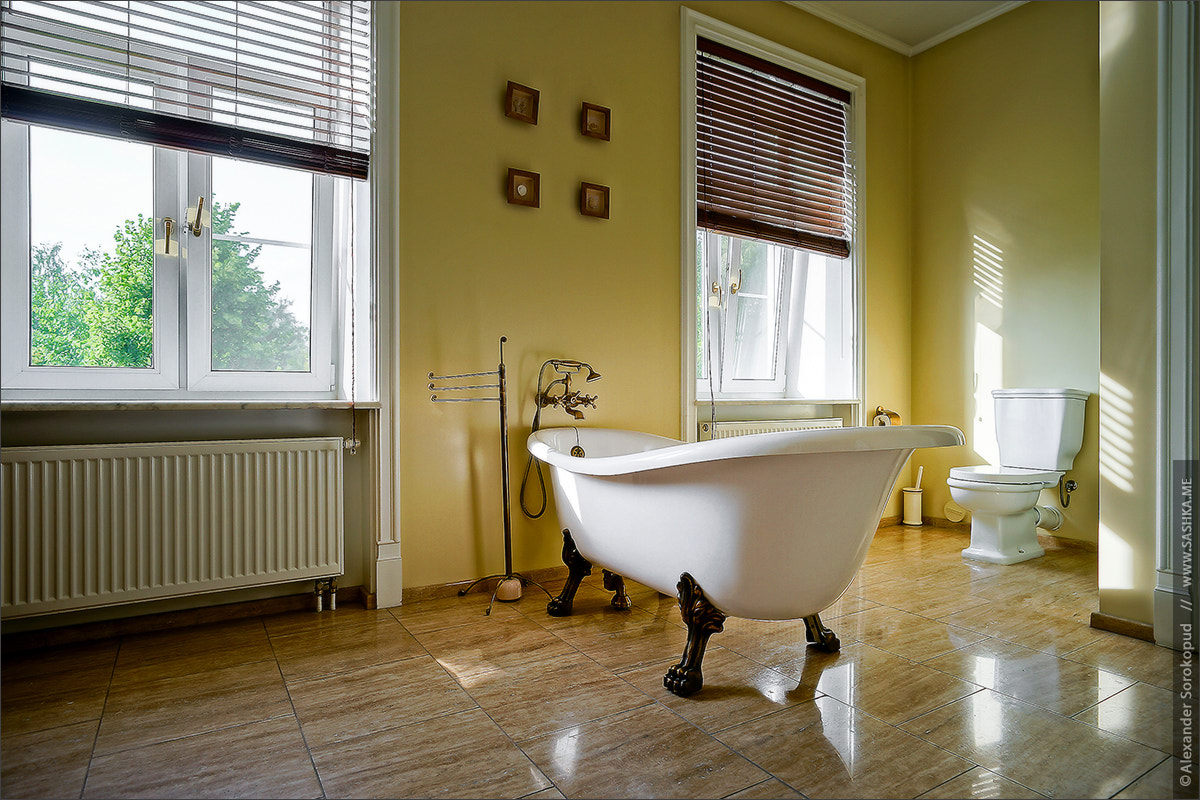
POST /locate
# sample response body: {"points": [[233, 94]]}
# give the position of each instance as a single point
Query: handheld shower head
{"points": [[570, 366]]}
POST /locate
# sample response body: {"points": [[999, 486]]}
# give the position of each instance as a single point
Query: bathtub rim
{"points": [[667, 452]]}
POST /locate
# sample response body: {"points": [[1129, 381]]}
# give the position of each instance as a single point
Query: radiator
{"points": [[720, 430], [98, 525]]}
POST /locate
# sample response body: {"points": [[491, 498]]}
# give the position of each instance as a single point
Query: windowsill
{"points": [[179, 405], [773, 401]]}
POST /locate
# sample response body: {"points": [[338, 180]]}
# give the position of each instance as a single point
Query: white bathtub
{"points": [[770, 526]]}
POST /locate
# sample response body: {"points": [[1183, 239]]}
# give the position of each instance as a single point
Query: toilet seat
{"points": [[1009, 476]]}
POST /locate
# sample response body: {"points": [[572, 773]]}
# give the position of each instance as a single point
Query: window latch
{"points": [[162, 246], [196, 218]]}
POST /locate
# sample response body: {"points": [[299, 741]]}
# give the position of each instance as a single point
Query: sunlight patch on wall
{"points": [[1114, 568], [1116, 434], [988, 275]]}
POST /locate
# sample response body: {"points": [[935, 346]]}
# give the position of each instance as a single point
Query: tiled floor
{"points": [[955, 679]]}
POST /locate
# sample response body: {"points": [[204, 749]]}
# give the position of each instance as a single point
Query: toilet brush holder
{"points": [[912, 506]]}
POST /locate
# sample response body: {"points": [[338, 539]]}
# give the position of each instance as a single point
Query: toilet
{"points": [[1039, 432]]}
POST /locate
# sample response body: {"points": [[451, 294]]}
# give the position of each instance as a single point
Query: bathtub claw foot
{"points": [[615, 583], [821, 636], [578, 568], [703, 620]]}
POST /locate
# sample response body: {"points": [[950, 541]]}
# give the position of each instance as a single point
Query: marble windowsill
{"points": [[178, 405]]}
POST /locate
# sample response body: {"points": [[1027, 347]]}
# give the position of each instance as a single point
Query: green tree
{"points": [[253, 327], [100, 312], [59, 302], [121, 320]]}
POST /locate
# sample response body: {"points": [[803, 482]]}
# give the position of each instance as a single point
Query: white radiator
{"points": [[720, 430], [97, 525]]}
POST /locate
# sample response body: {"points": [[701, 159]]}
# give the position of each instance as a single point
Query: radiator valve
{"points": [[326, 586]]}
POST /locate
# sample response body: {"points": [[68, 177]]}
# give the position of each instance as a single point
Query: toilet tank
{"points": [[1039, 428]]}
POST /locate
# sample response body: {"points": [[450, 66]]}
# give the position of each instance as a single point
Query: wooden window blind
{"points": [[281, 83], [772, 153]]}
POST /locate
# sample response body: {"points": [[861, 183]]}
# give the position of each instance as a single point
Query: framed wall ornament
{"points": [[593, 200], [524, 187], [595, 121], [521, 102]]}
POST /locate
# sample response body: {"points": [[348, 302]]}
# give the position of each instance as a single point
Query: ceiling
{"points": [[906, 26]]}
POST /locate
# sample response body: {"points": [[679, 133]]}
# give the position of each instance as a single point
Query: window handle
{"points": [[735, 285], [167, 223], [195, 222]]}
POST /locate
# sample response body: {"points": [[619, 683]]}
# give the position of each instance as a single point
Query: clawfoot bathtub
{"points": [[769, 526]]}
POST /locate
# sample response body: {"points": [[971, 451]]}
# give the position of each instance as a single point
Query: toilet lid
{"points": [[1009, 475]]}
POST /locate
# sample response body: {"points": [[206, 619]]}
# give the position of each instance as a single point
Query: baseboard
{"points": [[438, 591], [1050, 541], [148, 623], [1125, 627], [945, 524]]}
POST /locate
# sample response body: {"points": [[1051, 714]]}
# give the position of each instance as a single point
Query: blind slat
{"points": [[773, 158], [285, 83]]}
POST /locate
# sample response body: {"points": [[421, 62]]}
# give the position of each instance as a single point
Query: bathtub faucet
{"points": [[567, 399]]}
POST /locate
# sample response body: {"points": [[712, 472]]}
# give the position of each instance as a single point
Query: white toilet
{"points": [[1039, 432]]}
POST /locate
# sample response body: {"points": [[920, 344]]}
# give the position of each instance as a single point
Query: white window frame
{"points": [[201, 377], [16, 373], [694, 24], [182, 322]]}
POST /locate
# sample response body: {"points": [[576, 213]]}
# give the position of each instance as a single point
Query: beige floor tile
{"points": [[506, 645], [437, 699], [80, 666], [1158, 783], [28, 711], [773, 789], [1062, 686], [1133, 658], [826, 748], [48, 763], [338, 649], [551, 793], [770, 643], [979, 783], [263, 759], [552, 694], [147, 712], [907, 635], [846, 604], [1142, 712], [1010, 738], [362, 702], [1026, 626], [458, 755], [183, 651], [735, 690], [448, 612], [294, 622], [623, 640], [884, 685], [647, 752], [923, 597]]}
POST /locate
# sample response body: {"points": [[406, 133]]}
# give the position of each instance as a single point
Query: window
{"points": [[181, 210], [772, 264]]}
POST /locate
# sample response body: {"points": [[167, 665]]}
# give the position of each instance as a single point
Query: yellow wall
{"points": [[1006, 194], [1128, 307], [472, 268]]}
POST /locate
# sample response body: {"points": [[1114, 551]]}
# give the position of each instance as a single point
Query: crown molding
{"points": [[879, 37]]}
